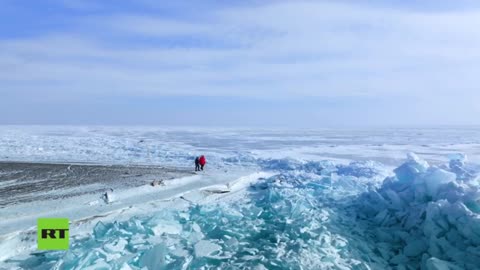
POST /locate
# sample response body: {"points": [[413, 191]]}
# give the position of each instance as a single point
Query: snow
{"points": [[269, 200]]}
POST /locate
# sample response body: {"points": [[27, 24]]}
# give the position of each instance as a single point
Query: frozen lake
{"points": [[176, 146], [269, 199]]}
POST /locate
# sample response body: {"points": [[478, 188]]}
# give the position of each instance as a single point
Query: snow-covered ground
{"points": [[270, 199]]}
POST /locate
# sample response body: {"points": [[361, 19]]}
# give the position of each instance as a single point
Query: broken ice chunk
{"points": [[460, 157], [381, 216], [435, 178], [206, 248], [437, 264], [415, 248], [98, 264], [154, 258], [413, 159], [396, 202], [399, 259], [100, 230], [167, 228], [116, 247], [125, 266]]}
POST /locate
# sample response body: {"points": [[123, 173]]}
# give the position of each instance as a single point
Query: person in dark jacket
{"points": [[197, 164]]}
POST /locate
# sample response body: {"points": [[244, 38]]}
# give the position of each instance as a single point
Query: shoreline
{"points": [[22, 182]]}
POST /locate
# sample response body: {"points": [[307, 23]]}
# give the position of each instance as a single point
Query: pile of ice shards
{"points": [[324, 167], [284, 222], [426, 216], [309, 215]]}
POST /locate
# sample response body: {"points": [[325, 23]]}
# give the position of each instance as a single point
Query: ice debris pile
{"points": [[259, 236], [324, 167], [285, 222], [309, 215], [426, 216]]}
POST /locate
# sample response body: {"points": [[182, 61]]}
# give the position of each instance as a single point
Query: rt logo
{"points": [[52, 233]]}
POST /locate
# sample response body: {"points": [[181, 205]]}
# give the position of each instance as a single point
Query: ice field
{"points": [[396, 198]]}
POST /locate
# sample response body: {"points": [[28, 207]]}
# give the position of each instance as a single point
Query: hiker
{"points": [[197, 164], [202, 161]]}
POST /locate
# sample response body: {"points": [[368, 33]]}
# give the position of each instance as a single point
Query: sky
{"points": [[240, 63]]}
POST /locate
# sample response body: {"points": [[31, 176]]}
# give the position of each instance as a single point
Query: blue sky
{"points": [[240, 63]]}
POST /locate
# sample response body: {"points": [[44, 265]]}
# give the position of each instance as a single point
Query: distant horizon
{"points": [[240, 63], [240, 127]]}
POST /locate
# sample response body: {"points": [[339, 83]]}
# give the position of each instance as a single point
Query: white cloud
{"points": [[153, 26], [281, 49]]}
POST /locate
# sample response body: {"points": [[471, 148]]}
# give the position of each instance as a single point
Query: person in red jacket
{"points": [[202, 161]]}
